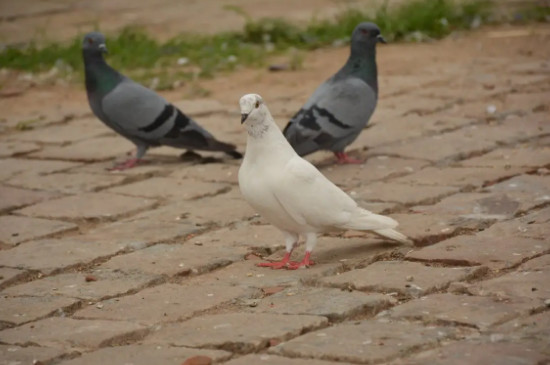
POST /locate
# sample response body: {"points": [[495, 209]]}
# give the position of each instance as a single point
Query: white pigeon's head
{"points": [[366, 35], [253, 110], [94, 42]]}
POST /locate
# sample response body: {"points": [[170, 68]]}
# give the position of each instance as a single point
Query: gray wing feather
{"points": [[333, 116]]}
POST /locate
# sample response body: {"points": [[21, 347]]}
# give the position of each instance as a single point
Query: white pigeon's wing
{"points": [[336, 112], [310, 198]]}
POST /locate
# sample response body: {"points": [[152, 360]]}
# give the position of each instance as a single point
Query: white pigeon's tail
{"points": [[384, 226]]}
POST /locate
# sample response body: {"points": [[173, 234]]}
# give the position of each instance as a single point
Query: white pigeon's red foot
{"points": [[306, 262], [283, 264], [128, 164], [343, 158]]}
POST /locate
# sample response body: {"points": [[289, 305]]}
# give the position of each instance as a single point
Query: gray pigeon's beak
{"points": [[243, 117], [380, 39], [103, 48]]}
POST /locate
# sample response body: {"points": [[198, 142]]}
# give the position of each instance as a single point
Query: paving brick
{"points": [[537, 188], [10, 167], [198, 107], [16, 355], [219, 210], [18, 310], [9, 148], [51, 255], [533, 225], [370, 341], [67, 183], [427, 229], [536, 327], [405, 278], [522, 156], [402, 193], [276, 360], [164, 187], [226, 172], [163, 303], [375, 168], [9, 275], [87, 150], [74, 131], [176, 259], [480, 206], [335, 304], [246, 273], [541, 263], [144, 355], [140, 232], [469, 352], [14, 197], [15, 229], [91, 285], [233, 330], [474, 177], [87, 206], [73, 334], [477, 312], [525, 283], [446, 146], [494, 252]]}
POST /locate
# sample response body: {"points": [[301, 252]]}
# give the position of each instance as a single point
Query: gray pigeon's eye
{"points": [[257, 104], [90, 40], [364, 31]]}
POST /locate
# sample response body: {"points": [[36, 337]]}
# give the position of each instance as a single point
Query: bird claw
{"points": [[344, 159], [277, 265], [297, 265]]}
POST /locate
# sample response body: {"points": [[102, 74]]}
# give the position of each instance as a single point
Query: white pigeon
{"points": [[291, 193]]}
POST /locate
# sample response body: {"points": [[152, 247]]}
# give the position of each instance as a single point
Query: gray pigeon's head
{"points": [[94, 42], [253, 110], [366, 35]]}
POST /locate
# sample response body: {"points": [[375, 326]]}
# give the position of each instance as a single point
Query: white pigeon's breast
{"points": [[257, 191]]}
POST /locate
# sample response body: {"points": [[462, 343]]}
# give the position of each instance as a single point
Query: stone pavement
{"points": [[156, 264]]}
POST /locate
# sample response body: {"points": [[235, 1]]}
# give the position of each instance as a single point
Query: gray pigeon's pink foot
{"points": [[285, 262], [126, 165], [306, 262], [344, 159]]}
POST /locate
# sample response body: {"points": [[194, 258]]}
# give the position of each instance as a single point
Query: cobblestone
{"points": [[15, 229]]}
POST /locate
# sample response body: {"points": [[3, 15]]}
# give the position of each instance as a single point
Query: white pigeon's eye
{"points": [[257, 104]]}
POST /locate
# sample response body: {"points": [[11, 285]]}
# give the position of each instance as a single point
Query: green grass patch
{"points": [[189, 57]]}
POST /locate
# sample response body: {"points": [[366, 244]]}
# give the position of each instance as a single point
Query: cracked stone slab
{"points": [[163, 303], [375, 168], [145, 355], [406, 278], [257, 237], [369, 341], [15, 355], [9, 275], [266, 359], [335, 304], [536, 187], [87, 150], [507, 158], [458, 176], [13, 198], [176, 259], [12, 148], [165, 187], [66, 183], [87, 206], [18, 310], [15, 229], [477, 312], [52, 255], [10, 167], [536, 326], [73, 334], [91, 285], [402, 193], [233, 330], [470, 352], [533, 225], [494, 252]]}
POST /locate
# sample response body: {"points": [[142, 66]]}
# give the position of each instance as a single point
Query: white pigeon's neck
{"points": [[266, 137]]}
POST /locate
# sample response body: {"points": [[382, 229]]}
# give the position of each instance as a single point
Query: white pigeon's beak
{"points": [[103, 48], [243, 117]]}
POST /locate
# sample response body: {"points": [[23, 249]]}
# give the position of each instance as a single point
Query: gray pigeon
{"points": [[340, 108], [138, 113]]}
